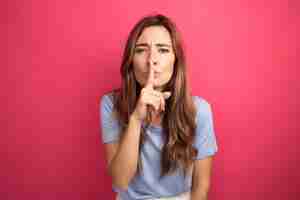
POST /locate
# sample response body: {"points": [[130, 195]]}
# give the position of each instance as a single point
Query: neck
{"points": [[156, 117]]}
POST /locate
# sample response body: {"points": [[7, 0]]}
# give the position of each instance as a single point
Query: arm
{"points": [[206, 144], [201, 178], [122, 157]]}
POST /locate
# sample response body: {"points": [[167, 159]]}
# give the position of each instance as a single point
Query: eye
{"points": [[164, 50], [139, 50]]}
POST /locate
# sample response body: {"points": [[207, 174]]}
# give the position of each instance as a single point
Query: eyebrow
{"points": [[157, 44]]}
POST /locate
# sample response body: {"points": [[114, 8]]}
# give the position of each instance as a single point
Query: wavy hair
{"points": [[178, 122]]}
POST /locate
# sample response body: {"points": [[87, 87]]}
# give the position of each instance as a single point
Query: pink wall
{"points": [[60, 56]]}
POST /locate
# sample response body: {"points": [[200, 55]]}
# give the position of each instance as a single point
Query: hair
{"points": [[178, 123]]}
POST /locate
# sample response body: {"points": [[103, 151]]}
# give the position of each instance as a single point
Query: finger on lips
{"points": [[150, 80], [149, 89]]}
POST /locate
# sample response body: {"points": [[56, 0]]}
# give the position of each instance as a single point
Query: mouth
{"points": [[156, 75]]}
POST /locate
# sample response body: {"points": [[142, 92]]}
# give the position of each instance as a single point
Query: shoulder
{"points": [[107, 98], [202, 106], [107, 102], [200, 102]]}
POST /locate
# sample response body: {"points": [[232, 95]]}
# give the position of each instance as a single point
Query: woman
{"points": [[159, 140]]}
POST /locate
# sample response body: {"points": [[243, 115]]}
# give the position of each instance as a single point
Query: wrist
{"points": [[135, 118]]}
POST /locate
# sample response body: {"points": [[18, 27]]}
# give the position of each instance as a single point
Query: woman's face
{"points": [[154, 46]]}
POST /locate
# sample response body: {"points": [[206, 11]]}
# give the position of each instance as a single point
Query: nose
{"points": [[152, 62], [154, 66], [152, 58]]}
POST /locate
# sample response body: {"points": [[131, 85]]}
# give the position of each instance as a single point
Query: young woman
{"points": [[159, 139]]}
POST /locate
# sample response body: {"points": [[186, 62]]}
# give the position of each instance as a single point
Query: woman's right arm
{"points": [[122, 156]]}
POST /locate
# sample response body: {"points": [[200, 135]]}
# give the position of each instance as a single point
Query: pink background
{"points": [[60, 56]]}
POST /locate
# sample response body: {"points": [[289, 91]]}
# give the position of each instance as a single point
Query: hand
{"points": [[150, 99]]}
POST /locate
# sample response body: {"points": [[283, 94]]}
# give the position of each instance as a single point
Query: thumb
{"points": [[166, 95]]}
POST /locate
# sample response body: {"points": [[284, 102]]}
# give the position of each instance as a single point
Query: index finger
{"points": [[150, 80]]}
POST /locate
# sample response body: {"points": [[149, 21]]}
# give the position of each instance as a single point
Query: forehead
{"points": [[155, 34]]}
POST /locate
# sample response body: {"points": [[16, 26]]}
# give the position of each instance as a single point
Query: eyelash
{"points": [[161, 50], [164, 50], [139, 50]]}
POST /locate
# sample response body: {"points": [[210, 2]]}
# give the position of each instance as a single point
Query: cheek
{"points": [[139, 69], [139, 64], [169, 67]]}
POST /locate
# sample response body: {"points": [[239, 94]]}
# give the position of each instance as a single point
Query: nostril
{"points": [[152, 62]]}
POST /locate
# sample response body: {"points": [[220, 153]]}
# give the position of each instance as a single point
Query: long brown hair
{"points": [[178, 122]]}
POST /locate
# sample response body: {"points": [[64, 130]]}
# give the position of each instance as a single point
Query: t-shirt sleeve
{"points": [[205, 139], [110, 126]]}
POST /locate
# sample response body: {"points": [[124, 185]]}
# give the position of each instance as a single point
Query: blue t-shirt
{"points": [[147, 184]]}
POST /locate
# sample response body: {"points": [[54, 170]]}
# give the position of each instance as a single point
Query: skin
{"points": [[154, 44], [153, 65]]}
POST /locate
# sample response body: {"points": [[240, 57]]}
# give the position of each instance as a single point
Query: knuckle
{"points": [[143, 91]]}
